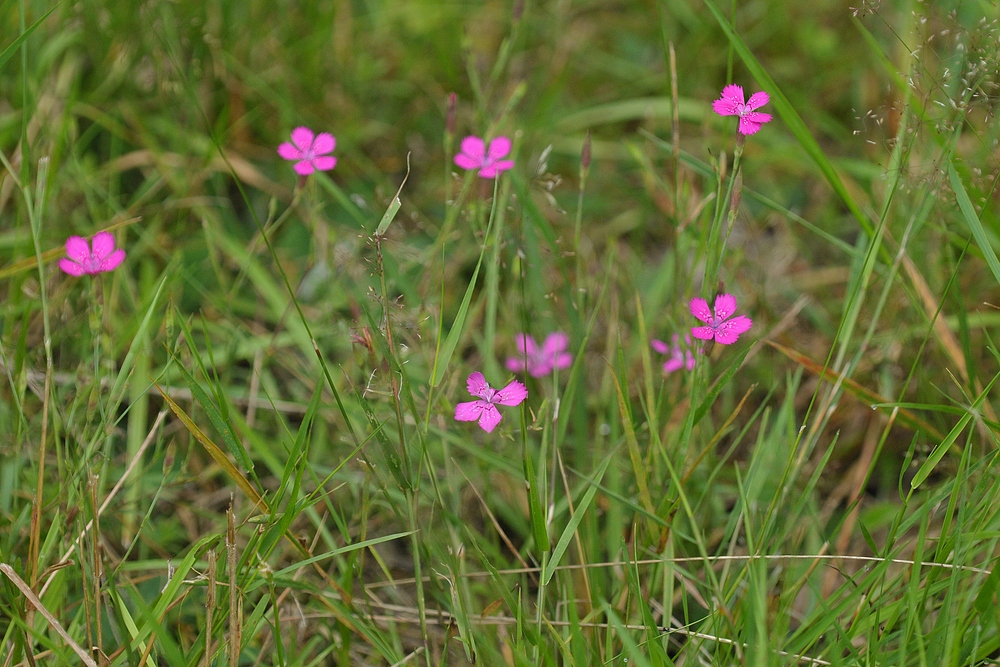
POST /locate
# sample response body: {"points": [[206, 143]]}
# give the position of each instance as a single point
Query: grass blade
{"points": [[971, 219]]}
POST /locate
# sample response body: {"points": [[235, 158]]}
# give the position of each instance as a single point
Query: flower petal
{"points": [[526, 345], [689, 361], [466, 162], [734, 93], [469, 412], [516, 364], [489, 418], [554, 343], [699, 308], [103, 244], [499, 148], [488, 172], [730, 330], [324, 163], [725, 306], [289, 152], [751, 122], [672, 365], [71, 267], [475, 149], [704, 333], [562, 360], [512, 394], [757, 100], [724, 107], [324, 143], [111, 262], [727, 105], [305, 167], [539, 367], [659, 346], [77, 249], [497, 167], [748, 126], [477, 384], [302, 137]]}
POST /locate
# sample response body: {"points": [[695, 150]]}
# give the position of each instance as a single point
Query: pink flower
{"points": [[680, 357], [310, 151], [731, 104], [485, 409], [81, 260], [720, 327], [475, 156], [539, 361]]}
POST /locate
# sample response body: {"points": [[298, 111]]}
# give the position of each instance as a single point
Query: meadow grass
{"points": [[239, 447]]}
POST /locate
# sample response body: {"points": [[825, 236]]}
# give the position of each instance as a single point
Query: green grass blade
{"points": [[574, 522], [942, 448], [6, 54], [442, 360], [971, 219]]}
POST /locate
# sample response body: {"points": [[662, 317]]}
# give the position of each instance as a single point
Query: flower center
{"points": [[92, 263], [489, 394]]}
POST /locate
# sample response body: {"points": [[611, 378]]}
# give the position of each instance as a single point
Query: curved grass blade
{"points": [[215, 452], [935, 456], [972, 219], [12, 47]]}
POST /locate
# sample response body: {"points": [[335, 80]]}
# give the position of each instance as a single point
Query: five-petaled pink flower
{"points": [[485, 409], [720, 327], [81, 260], [474, 155], [731, 104], [309, 150], [539, 361], [680, 357]]}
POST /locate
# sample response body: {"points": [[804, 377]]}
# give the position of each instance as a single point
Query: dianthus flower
{"points": [[539, 361], [680, 357], [719, 325], [485, 409], [309, 151], [81, 260], [731, 104], [474, 155]]}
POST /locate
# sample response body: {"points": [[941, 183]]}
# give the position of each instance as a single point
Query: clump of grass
{"points": [[240, 445]]}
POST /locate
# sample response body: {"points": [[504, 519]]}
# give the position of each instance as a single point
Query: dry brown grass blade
{"points": [[25, 589], [941, 330], [906, 417], [210, 606], [215, 452], [235, 638]]}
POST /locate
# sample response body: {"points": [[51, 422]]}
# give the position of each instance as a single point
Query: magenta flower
{"points": [[485, 409], [310, 151], [720, 327], [539, 361], [731, 104], [680, 357], [81, 260], [475, 156]]}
